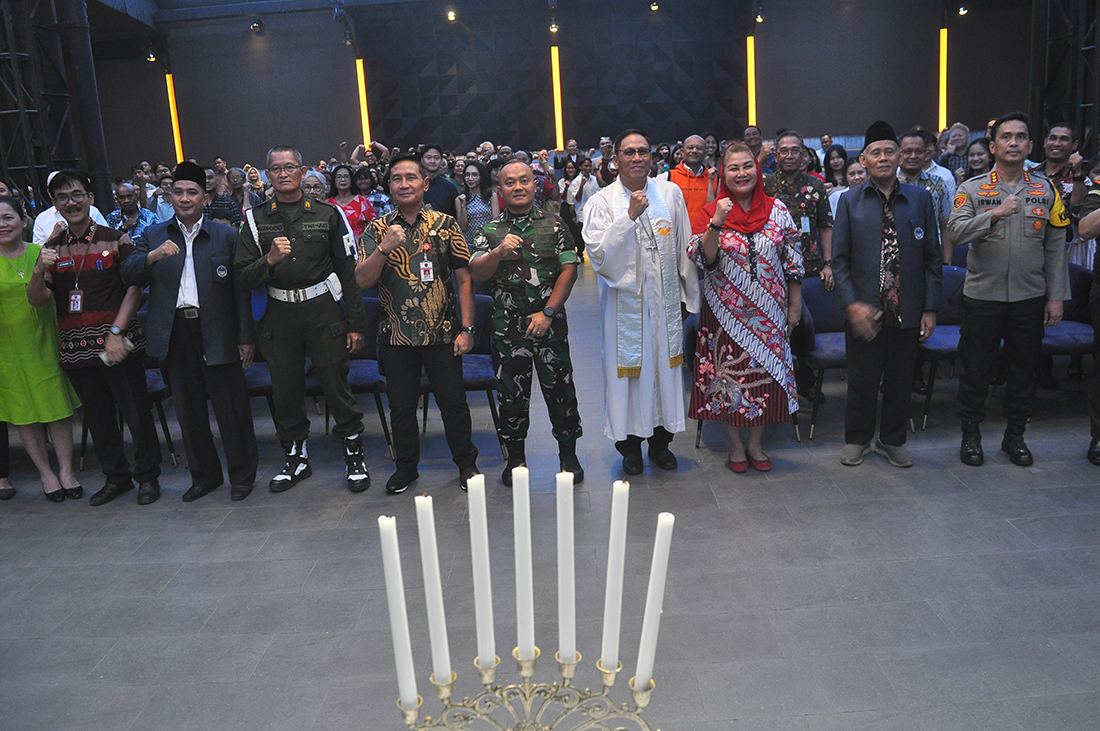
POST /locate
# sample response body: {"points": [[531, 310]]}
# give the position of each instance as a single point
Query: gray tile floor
{"points": [[815, 597]]}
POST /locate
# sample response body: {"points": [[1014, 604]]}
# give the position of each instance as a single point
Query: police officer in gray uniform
{"points": [[1016, 279], [303, 252]]}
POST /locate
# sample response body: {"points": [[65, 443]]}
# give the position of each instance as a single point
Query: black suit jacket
{"points": [[226, 310], [857, 250]]}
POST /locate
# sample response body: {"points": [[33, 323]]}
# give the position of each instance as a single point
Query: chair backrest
{"points": [[483, 325], [951, 300], [1080, 285], [825, 307], [958, 256], [691, 334], [370, 345]]}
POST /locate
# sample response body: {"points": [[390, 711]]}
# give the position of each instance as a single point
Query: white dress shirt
{"points": [[47, 219], [189, 288]]}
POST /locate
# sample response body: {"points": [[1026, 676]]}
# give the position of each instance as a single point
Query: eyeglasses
{"points": [[314, 188], [77, 197], [288, 169], [788, 151], [636, 152], [912, 153]]}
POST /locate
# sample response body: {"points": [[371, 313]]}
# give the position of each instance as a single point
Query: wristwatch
{"points": [[548, 311], [712, 226], [116, 330], [468, 329]]}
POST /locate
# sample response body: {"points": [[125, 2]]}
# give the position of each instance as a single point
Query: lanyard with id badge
{"points": [[427, 268], [76, 294]]}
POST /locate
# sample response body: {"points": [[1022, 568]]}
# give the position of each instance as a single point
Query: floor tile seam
{"points": [[90, 676], [170, 579]]}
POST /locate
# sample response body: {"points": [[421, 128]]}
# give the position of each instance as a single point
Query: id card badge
{"points": [[805, 224], [76, 301], [427, 271]]}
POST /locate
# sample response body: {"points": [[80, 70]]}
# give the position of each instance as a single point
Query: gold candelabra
{"points": [[531, 706]]}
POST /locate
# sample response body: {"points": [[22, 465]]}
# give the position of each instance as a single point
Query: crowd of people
{"points": [[724, 230]]}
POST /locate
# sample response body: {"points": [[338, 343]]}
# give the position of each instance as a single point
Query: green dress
{"points": [[33, 389]]}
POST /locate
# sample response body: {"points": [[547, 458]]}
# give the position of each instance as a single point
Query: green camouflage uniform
{"points": [[522, 287]]}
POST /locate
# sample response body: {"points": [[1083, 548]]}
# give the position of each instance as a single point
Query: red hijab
{"points": [[746, 222]]}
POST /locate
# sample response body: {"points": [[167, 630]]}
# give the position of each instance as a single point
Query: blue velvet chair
{"points": [[1073, 335], [364, 376], [944, 343], [828, 326]]}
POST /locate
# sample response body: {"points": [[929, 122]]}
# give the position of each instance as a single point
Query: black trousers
{"points": [[289, 331], [1094, 380], [887, 360], [984, 325], [102, 389], [192, 382], [5, 454], [402, 366], [802, 343]]}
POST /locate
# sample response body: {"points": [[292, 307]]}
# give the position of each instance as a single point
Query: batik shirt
{"points": [[809, 207]]}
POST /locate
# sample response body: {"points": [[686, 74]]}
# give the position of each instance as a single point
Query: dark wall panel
{"points": [[986, 81], [240, 93], [137, 125]]}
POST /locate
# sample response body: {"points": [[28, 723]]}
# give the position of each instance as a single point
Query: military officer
{"points": [[1017, 277], [303, 252], [530, 257]]}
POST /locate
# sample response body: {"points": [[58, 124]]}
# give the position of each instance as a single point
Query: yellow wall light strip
{"points": [[175, 117], [751, 66], [943, 80], [557, 97], [363, 102]]}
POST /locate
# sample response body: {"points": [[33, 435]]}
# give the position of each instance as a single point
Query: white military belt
{"points": [[297, 295]]}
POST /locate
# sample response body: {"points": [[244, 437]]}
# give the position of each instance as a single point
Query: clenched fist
{"points": [[46, 259], [395, 236], [165, 250], [638, 204], [722, 209], [510, 243], [1010, 206], [280, 247]]}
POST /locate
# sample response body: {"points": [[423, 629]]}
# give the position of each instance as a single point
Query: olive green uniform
{"points": [[321, 244], [521, 287]]}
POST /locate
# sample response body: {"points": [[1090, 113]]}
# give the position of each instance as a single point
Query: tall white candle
{"points": [[433, 589], [399, 620], [525, 585], [613, 594], [483, 589], [654, 601], [567, 602]]}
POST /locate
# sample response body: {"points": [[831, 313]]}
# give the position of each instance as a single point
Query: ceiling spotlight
{"points": [[151, 57], [347, 36], [257, 27], [654, 7], [450, 15], [553, 24], [962, 10], [760, 16]]}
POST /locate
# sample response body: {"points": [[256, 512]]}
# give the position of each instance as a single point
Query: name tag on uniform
{"points": [[427, 271], [805, 224], [65, 263], [76, 301]]}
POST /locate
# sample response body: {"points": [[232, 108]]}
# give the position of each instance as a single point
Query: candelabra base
{"points": [[531, 706]]}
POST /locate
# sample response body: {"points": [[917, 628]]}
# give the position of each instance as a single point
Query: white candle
{"points": [[433, 589], [525, 585], [613, 594], [654, 601], [567, 602], [483, 590], [399, 620]]}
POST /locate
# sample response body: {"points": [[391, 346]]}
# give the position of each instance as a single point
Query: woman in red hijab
{"points": [[752, 294]]}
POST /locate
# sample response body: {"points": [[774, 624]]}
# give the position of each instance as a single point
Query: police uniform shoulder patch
{"points": [[1058, 217], [960, 201]]}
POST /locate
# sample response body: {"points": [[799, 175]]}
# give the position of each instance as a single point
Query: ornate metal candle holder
{"points": [[531, 706]]}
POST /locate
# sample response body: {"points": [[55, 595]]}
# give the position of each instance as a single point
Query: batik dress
{"points": [[744, 375]]}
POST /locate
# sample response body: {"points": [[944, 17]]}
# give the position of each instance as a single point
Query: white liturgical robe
{"points": [[628, 255]]}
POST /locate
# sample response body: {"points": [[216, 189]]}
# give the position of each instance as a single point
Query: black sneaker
{"points": [[358, 477], [465, 474], [296, 469], [568, 462]]}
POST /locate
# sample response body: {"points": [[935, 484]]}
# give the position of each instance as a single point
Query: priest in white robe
{"points": [[636, 231]]}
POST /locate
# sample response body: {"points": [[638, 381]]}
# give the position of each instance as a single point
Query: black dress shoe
{"points": [[57, 496], [148, 492], [663, 458], [7, 493], [465, 474], [919, 386], [399, 482], [239, 492], [1094, 454], [74, 493], [632, 464], [195, 492], [110, 491]]}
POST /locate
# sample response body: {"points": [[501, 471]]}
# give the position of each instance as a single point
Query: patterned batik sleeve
{"points": [[458, 252], [790, 250], [824, 210], [370, 239]]}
